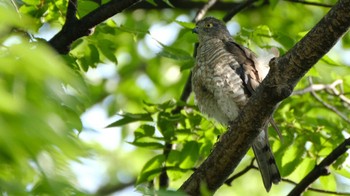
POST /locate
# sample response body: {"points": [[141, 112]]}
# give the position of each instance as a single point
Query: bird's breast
{"points": [[217, 86]]}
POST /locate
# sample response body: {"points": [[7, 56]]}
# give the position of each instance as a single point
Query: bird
{"points": [[224, 76]]}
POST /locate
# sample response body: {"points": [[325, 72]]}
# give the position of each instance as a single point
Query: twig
{"points": [[109, 189], [239, 174], [315, 189], [310, 3], [185, 5], [201, 13], [163, 177], [319, 87], [328, 106], [330, 88], [320, 169], [16, 7], [237, 9]]}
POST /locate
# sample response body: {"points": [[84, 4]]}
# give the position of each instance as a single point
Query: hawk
{"points": [[225, 75]]}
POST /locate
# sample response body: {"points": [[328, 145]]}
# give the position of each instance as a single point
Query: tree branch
{"points": [[316, 190], [320, 169], [319, 87], [328, 106], [310, 3], [237, 9], [241, 173], [284, 74], [71, 17], [79, 28], [186, 5], [201, 13], [330, 88], [109, 189]]}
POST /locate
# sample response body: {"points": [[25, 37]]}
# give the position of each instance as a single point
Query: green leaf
{"points": [[108, 50], [328, 182], [167, 122], [146, 144], [151, 169], [86, 7], [94, 54], [168, 3], [175, 53], [286, 41], [129, 118], [187, 25], [144, 131], [273, 3], [189, 154], [133, 30]]}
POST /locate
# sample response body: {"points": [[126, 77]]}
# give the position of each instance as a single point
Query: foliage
{"points": [[43, 95]]}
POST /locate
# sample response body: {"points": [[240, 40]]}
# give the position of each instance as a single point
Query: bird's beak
{"points": [[195, 30]]}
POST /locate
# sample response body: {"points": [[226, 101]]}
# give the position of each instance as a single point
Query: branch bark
{"points": [[75, 29], [284, 74]]}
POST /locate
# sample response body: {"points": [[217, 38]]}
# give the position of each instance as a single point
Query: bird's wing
{"points": [[247, 61], [247, 70]]}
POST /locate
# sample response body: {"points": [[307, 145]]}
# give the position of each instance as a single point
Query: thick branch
{"points": [[79, 28], [284, 74], [71, 13], [320, 169]]}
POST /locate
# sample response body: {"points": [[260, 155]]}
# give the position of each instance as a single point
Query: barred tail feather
{"points": [[266, 161]]}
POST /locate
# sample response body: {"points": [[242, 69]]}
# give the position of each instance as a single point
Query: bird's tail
{"points": [[266, 161]]}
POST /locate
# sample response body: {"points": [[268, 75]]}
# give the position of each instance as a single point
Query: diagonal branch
{"points": [[71, 17], [285, 73], [317, 190], [71, 32], [241, 173], [310, 3], [320, 169], [237, 9], [330, 88], [328, 106], [201, 13]]}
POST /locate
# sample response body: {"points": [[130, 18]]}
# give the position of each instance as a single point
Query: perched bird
{"points": [[225, 75]]}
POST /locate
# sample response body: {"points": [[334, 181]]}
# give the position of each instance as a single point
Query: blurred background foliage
{"points": [[129, 76]]}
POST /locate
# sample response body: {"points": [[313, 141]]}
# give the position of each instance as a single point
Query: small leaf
{"points": [[175, 53], [189, 154], [144, 131], [286, 41], [132, 30], [187, 25], [273, 3], [168, 3], [107, 48], [94, 54], [150, 145], [328, 182], [151, 168], [129, 118], [86, 7]]}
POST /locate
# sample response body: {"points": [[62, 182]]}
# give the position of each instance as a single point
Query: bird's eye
{"points": [[209, 25]]}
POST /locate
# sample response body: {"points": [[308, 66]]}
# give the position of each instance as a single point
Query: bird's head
{"points": [[210, 27]]}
